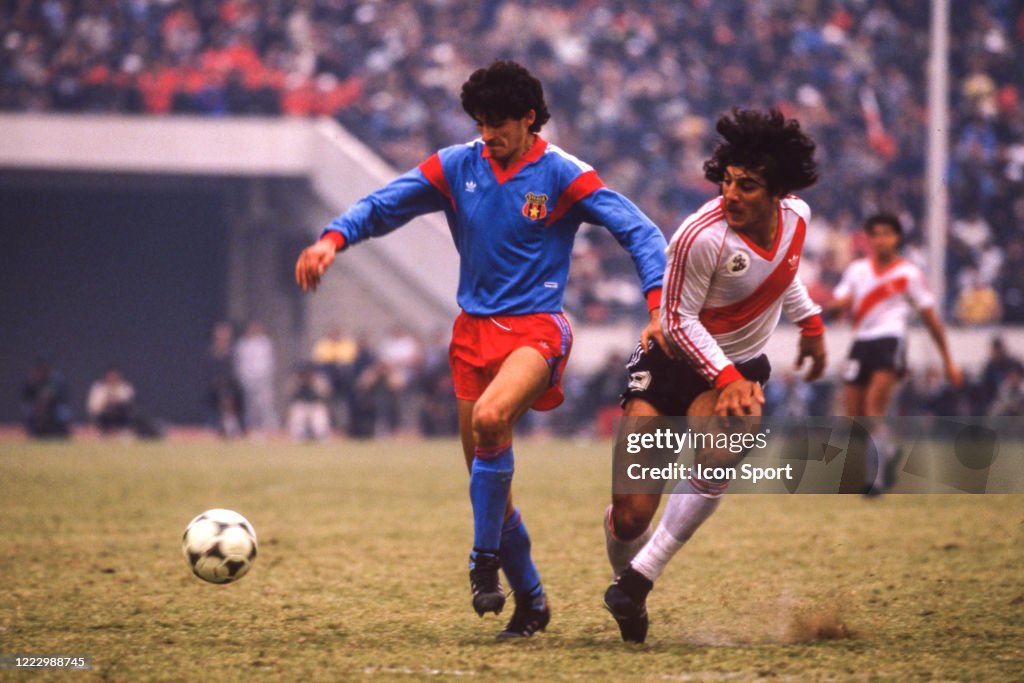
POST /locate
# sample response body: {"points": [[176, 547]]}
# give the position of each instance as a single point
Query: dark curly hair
{"points": [[890, 219], [504, 90], [764, 142]]}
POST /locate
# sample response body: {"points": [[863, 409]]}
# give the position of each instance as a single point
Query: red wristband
{"points": [[812, 326], [653, 298], [727, 376], [334, 237]]}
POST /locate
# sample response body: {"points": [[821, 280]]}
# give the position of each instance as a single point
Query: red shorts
{"points": [[480, 344]]}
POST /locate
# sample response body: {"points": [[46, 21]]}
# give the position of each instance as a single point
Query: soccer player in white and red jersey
{"points": [[731, 272], [882, 291]]}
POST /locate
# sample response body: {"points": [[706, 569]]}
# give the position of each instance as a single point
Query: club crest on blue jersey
{"points": [[536, 206]]}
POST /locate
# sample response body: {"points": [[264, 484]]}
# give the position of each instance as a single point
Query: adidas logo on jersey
{"points": [[793, 261], [470, 186]]}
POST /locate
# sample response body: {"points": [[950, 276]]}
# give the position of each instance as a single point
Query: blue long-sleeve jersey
{"points": [[514, 228]]}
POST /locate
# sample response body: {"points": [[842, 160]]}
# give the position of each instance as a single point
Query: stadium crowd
{"points": [[638, 86]]}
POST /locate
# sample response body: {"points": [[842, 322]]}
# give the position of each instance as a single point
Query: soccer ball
{"points": [[219, 546]]}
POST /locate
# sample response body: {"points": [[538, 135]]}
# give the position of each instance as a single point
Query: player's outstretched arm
{"points": [[812, 347], [637, 233], [654, 333], [801, 309], [313, 262], [837, 307], [645, 244], [938, 334]]}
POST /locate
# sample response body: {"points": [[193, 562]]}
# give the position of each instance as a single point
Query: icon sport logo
{"points": [[536, 206]]}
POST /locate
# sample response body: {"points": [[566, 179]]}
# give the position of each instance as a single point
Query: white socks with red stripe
{"points": [[621, 552], [690, 504]]}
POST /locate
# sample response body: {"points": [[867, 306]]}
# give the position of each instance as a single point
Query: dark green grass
{"points": [[362, 572]]}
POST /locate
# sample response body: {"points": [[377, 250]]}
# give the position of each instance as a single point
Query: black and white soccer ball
{"points": [[219, 546]]}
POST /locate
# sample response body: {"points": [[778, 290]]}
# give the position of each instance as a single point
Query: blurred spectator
{"points": [[308, 415], [821, 397], [786, 396], [400, 357], [597, 401], [335, 354], [373, 401], [1011, 282], [44, 399], [111, 402], [255, 367], [998, 366], [438, 414], [930, 394], [223, 391], [977, 303], [1009, 400], [362, 405], [112, 407], [972, 230]]}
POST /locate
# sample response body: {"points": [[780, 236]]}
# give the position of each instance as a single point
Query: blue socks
{"points": [[522, 573], [490, 480]]}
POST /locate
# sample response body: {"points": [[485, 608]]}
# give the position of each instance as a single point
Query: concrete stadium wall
{"points": [[277, 182], [135, 144], [409, 277]]}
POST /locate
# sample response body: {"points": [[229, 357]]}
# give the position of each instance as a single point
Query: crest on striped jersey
{"points": [[536, 206], [737, 264]]}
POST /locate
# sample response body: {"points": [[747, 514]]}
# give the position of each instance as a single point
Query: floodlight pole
{"points": [[937, 192]]}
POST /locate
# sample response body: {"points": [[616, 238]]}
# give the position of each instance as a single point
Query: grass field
{"points": [[362, 572]]}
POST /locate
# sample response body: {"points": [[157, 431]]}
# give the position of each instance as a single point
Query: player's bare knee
{"points": [[490, 426]]}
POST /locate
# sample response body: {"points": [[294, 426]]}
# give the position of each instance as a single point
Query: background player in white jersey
{"points": [[731, 272], [882, 291]]}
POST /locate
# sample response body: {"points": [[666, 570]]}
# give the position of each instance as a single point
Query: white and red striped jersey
{"points": [[883, 299], [724, 294]]}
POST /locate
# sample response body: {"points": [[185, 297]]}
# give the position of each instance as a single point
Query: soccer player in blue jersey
{"points": [[513, 202]]}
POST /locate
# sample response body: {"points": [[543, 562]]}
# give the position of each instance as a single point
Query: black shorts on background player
{"points": [[672, 385], [867, 356]]}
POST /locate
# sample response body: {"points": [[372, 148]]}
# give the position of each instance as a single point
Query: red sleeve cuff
{"points": [[727, 376], [653, 298], [336, 238], [812, 326]]}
